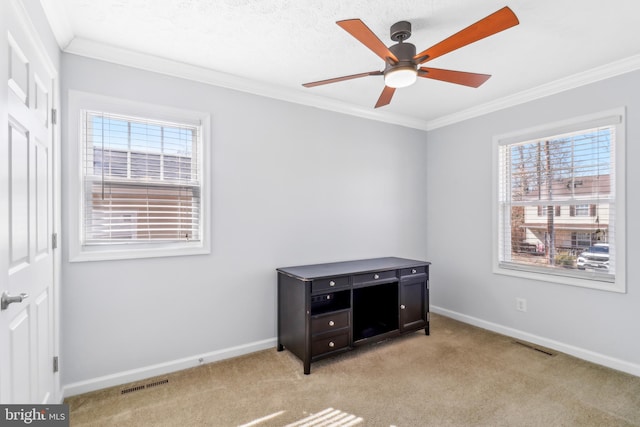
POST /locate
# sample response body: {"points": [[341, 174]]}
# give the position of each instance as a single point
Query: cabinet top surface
{"points": [[318, 271]]}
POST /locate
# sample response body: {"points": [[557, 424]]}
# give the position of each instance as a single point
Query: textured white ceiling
{"points": [[280, 44]]}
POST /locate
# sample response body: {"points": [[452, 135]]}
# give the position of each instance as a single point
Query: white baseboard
{"points": [[125, 377], [581, 353]]}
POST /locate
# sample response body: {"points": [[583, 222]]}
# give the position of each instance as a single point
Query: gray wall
{"points": [[597, 325], [291, 185]]}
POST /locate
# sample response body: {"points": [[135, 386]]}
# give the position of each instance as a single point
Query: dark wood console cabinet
{"points": [[325, 309]]}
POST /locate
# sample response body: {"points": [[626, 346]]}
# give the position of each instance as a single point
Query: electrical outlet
{"points": [[521, 304]]}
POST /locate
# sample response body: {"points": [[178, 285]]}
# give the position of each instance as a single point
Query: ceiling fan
{"points": [[402, 62]]}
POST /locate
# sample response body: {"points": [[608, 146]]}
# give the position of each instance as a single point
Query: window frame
{"points": [[616, 118], [78, 252]]}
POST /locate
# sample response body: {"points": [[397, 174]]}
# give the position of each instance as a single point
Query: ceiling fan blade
{"points": [[457, 77], [339, 79], [492, 24], [360, 31], [385, 96]]}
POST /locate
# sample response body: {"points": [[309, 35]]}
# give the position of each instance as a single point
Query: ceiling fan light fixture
{"points": [[400, 77]]}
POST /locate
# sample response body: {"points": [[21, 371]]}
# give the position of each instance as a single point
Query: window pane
{"points": [[176, 167], [123, 212], [141, 180], [146, 138], [557, 200], [178, 141], [145, 165], [109, 163], [109, 133]]}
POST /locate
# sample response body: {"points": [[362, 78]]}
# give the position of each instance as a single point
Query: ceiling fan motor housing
{"points": [[405, 53], [402, 73]]}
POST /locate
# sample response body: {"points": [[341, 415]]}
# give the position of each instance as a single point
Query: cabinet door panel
{"points": [[412, 304]]}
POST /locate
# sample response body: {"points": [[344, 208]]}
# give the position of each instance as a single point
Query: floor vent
{"points": [[132, 389], [536, 348], [144, 386], [157, 383]]}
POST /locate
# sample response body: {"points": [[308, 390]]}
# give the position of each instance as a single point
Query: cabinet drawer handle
{"points": [[332, 283], [331, 323], [331, 344], [376, 276], [402, 306], [414, 271]]}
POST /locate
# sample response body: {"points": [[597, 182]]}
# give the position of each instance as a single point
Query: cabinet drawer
{"points": [[330, 322], [379, 276], [324, 285], [329, 344], [413, 271]]}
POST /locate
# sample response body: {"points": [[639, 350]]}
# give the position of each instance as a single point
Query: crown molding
{"points": [[613, 69], [117, 55]]}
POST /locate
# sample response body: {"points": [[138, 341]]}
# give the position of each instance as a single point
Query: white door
{"points": [[26, 182]]}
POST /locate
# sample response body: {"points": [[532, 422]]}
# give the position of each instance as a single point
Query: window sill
{"points": [[602, 282], [97, 253]]}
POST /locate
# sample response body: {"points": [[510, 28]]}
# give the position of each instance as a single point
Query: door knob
{"points": [[8, 299]]}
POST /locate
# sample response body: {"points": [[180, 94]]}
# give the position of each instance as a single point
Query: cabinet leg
{"points": [[280, 347]]}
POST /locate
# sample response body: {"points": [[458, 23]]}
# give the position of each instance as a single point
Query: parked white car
{"points": [[596, 257]]}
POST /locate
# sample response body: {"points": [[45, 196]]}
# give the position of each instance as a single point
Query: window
{"points": [[142, 180], [581, 240], [543, 210], [583, 210], [560, 190]]}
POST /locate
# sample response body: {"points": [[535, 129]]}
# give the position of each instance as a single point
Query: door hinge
{"points": [[54, 116], [54, 241], [55, 364]]}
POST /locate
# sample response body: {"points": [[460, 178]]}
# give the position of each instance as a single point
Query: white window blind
{"points": [[141, 180], [556, 200]]}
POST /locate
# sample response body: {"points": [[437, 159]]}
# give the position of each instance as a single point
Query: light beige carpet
{"points": [[458, 376]]}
